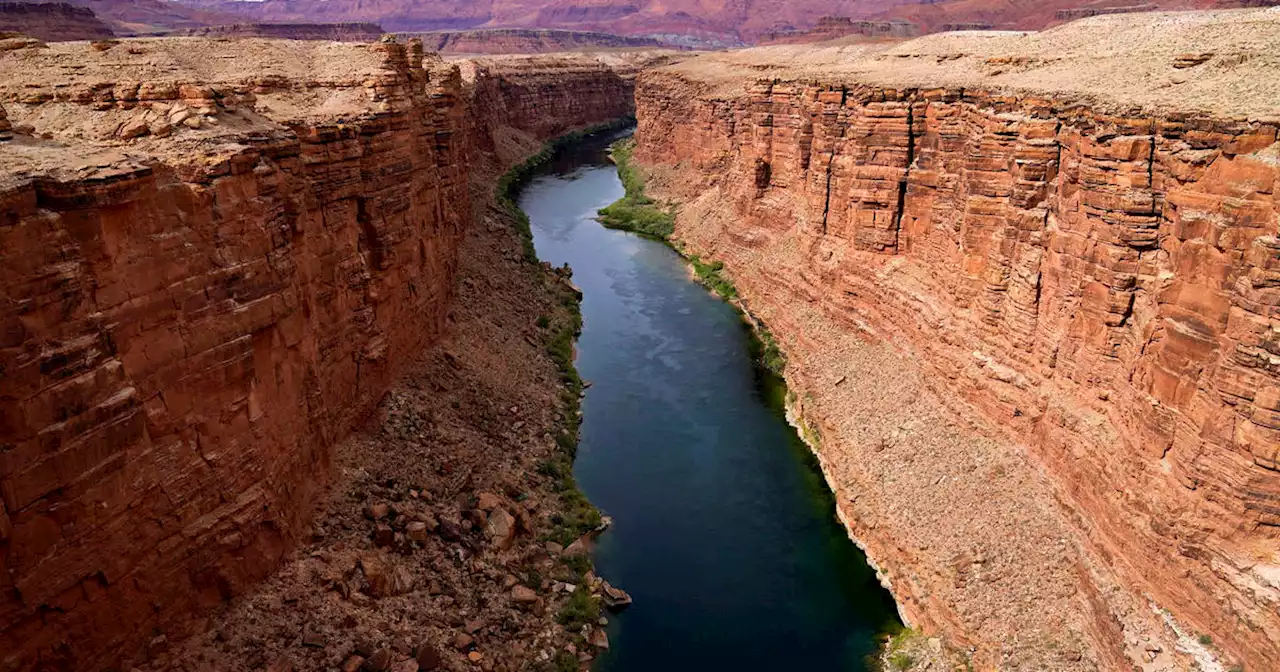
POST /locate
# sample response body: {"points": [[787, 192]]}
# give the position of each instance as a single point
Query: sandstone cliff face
{"points": [[1097, 280], [215, 257], [519, 102], [191, 323]]}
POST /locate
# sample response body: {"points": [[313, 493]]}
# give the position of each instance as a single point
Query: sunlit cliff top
{"points": [[1218, 62]]}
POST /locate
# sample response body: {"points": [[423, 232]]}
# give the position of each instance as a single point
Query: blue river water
{"points": [[724, 531]]}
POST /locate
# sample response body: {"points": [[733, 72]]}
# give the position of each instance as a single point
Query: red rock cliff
{"points": [[191, 322], [1081, 249], [520, 101], [215, 257]]}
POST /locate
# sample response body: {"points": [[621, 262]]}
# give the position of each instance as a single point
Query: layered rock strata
{"points": [[510, 96], [350, 31], [527, 41], [218, 256], [193, 320], [1062, 242], [835, 27]]}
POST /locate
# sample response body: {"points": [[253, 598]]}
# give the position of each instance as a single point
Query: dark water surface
{"points": [[724, 531]]}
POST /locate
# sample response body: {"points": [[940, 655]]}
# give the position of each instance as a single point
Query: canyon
{"points": [[284, 387], [219, 258], [1026, 289]]}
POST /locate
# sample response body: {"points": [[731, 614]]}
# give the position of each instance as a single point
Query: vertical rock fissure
{"points": [[906, 176], [826, 205]]}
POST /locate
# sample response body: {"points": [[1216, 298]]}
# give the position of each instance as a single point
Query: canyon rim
{"points": [[281, 386]]}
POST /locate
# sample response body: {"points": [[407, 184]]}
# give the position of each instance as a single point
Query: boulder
{"points": [[427, 656], [501, 529], [376, 511], [385, 577], [523, 595], [417, 531], [488, 501], [134, 128], [379, 661], [615, 599]]}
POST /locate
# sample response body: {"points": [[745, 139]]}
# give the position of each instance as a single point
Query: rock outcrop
{"points": [[1073, 248], [52, 21]]}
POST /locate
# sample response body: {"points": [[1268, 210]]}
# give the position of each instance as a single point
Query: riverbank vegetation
{"points": [[559, 331], [637, 213], [512, 181]]}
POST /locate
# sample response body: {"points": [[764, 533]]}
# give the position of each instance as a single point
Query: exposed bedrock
{"points": [[210, 272], [1095, 276], [511, 97]]}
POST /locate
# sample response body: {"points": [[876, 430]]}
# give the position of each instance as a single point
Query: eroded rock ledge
{"points": [[1027, 287], [217, 257]]}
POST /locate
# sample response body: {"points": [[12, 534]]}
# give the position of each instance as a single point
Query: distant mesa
{"points": [[52, 21], [971, 25], [835, 27], [529, 41], [1085, 12], [350, 31]]}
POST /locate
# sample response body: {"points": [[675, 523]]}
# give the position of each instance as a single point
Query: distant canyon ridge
{"points": [[678, 22]]}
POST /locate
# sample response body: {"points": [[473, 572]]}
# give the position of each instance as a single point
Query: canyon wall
{"points": [[217, 257], [511, 97], [192, 321], [1078, 253]]}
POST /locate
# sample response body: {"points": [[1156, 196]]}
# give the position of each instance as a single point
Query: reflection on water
{"points": [[724, 531]]}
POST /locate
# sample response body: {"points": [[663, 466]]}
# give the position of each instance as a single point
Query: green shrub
{"points": [[635, 211], [580, 610], [566, 662], [510, 184], [709, 275]]}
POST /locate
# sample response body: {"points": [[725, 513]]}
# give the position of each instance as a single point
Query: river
{"points": [[724, 531]]}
